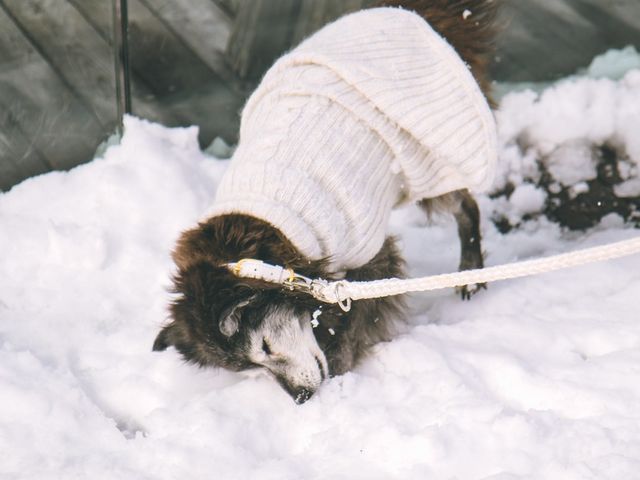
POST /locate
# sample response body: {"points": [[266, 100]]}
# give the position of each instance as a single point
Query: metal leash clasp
{"points": [[317, 288], [328, 292], [298, 283]]}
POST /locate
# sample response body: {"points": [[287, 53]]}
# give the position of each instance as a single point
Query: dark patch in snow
{"points": [[597, 197]]}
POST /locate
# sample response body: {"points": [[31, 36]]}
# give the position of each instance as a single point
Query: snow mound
{"points": [[614, 64], [533, 378], [577, 143], [565, 118]]}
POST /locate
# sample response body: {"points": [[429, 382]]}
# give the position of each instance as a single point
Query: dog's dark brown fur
{"points": [[206, 288]]}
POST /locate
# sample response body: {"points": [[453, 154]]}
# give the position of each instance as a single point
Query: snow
{"points": [[527, 199], [314, 318], [533, 378], [614, 64], [572, 162], [630, 188], [570, 114]]}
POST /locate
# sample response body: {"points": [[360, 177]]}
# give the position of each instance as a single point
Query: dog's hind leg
{"points": [[465, 210]]}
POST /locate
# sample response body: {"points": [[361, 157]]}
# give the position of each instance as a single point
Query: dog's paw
{"points": [[467, 291]]}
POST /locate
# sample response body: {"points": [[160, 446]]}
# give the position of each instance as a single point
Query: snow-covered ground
{"points": [[537, 378]]}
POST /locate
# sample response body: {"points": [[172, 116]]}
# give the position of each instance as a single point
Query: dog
{"points": [[332, 139]]}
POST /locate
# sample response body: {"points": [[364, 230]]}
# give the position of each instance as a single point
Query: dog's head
{"points": [[222, 320]]}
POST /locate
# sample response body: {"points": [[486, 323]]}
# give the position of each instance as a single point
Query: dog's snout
{"points": [[299, 393]]}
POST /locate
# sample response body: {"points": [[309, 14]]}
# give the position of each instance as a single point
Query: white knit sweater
{"points": [[373, 109]]}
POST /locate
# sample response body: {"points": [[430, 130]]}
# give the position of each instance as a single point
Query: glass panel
{"points": [[194, 62], [56, 87]]}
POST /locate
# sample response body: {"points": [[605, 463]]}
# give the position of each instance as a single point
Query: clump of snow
{"points": [[578, 188], [533, 378], [466, 14], [527, 199], [630, 188], [219, 149], [630, 174], [314, 318], [572, 162], [614, 64]]}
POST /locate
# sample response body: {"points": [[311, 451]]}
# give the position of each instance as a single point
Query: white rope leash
{"points": [[343, 291]]}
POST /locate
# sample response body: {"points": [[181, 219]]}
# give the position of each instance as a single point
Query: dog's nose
{"points": [[301, 395]]}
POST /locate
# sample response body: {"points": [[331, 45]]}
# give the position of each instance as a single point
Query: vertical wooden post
{"points": [[121, 59]]}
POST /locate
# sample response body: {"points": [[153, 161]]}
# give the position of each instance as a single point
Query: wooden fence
{"points": [[195, 62]]}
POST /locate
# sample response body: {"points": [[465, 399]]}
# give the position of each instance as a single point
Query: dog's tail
{"points": [[468, 25]]}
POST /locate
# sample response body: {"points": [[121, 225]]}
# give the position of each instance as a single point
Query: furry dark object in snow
{"points": [[222, 320]]}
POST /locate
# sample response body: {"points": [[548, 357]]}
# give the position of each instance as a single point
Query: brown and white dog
{"points": [[222, 320]]}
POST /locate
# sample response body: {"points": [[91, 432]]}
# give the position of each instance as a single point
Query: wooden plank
{"points": [[214, 110], [19, 159], [230, 7], [539, 41], [13, 151], [9, 175], [61, 129], [544, 40], [203, 26], [183, 82], [627, 11], [617, 23], [80, 57], [160, 57], [98, 14], [179, 85], [204, 29], [61, 132]]}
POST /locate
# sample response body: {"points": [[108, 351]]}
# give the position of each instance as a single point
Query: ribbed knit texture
{"points": [[373, 109]]}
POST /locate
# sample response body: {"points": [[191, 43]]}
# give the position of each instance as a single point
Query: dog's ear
{"points": [[230, 318], [230, 322], [166, 338]]}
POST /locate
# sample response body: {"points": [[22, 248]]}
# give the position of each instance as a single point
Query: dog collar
{"points": [[259, 270], [289, 279]]}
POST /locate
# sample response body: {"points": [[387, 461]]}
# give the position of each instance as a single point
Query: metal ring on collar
{"points": [[345, 305]]}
